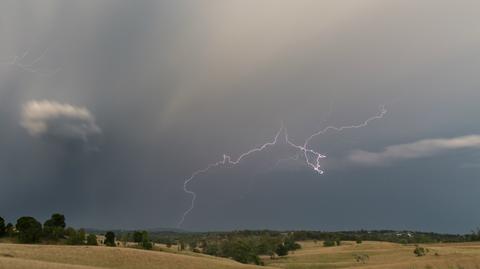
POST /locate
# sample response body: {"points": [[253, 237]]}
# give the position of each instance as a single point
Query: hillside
{"points": [[381, 255], [17, 256]]}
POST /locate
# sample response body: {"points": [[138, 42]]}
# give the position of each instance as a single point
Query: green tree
{"points": [[328, 243], [9, 229], [241, 250], [92, 240], [75, 237], [29, 230], [281, 250], [109, 239], [54, 228], [2, 227], [57, 220], [147, 245], [137, 236], [291, 245]]}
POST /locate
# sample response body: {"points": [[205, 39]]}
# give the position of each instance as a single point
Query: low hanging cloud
{"points": [[418, 149], [49, 118]]}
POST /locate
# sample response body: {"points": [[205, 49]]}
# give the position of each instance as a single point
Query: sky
{"points": [[108, 107]]}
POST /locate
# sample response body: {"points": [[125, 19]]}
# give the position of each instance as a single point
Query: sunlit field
{"points": [[311, 256], [19, 256], [380, 255]]}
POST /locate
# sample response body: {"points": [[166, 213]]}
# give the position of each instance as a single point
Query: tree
{"points": [[109, 239], [291, 245], [2, 227], [57, 220], [241, 250], [29, 230], [181, 245], [9, 229], [54, 228], [75, 237], [147, 245], [92, 240], [281, 250], [137, 236]]}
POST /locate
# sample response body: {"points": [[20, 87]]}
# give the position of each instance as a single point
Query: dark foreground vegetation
{"points": [[243, 246]]}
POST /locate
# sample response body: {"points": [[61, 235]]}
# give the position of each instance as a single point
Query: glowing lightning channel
{"points": [[315, 165], [226, 160], [17, 61], [318, 156]]}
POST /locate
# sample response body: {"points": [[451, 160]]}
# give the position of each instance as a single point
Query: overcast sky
{"points": [[107, 107]]}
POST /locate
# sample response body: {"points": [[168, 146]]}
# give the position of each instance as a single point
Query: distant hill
{"points": [[150, 230]]}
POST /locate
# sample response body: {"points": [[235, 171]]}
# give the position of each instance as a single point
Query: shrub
{"points": [[75, 237], [92, 240], [29, 230], [291, 245], [328, 243], [419, 251], [363, 258], [281, 250], [147, 245]]}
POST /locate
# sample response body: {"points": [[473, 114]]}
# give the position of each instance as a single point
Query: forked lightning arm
{"points": [[17, 61], [308, 153]]}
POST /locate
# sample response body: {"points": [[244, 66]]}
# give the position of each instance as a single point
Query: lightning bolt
{"points": [[18, 62], [311, 157]]}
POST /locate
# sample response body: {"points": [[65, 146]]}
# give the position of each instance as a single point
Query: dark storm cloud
{"points": [[173, 85]]}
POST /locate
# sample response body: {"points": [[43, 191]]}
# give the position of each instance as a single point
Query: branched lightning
{"points": [[18, 62], [312, 158]]}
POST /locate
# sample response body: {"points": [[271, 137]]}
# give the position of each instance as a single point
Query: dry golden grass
{"points": [[311, 256], [381, 255], [17, 256]]}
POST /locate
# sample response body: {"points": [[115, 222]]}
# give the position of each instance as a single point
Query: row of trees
{"points": [[244, 248], [29, 230]]}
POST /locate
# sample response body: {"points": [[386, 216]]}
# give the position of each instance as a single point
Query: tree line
{"points": [[28, 230]]}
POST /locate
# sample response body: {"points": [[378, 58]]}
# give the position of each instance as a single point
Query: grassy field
{"points": [[381, 255], [17, 256], [311, 256]]}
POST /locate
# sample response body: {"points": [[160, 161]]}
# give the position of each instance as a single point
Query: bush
{"points": [[291, 245], [75, 237], [147, 245], [419, 251], [29, 230], [363, 258], [328, 243], [281, 250], [92, 240]]}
